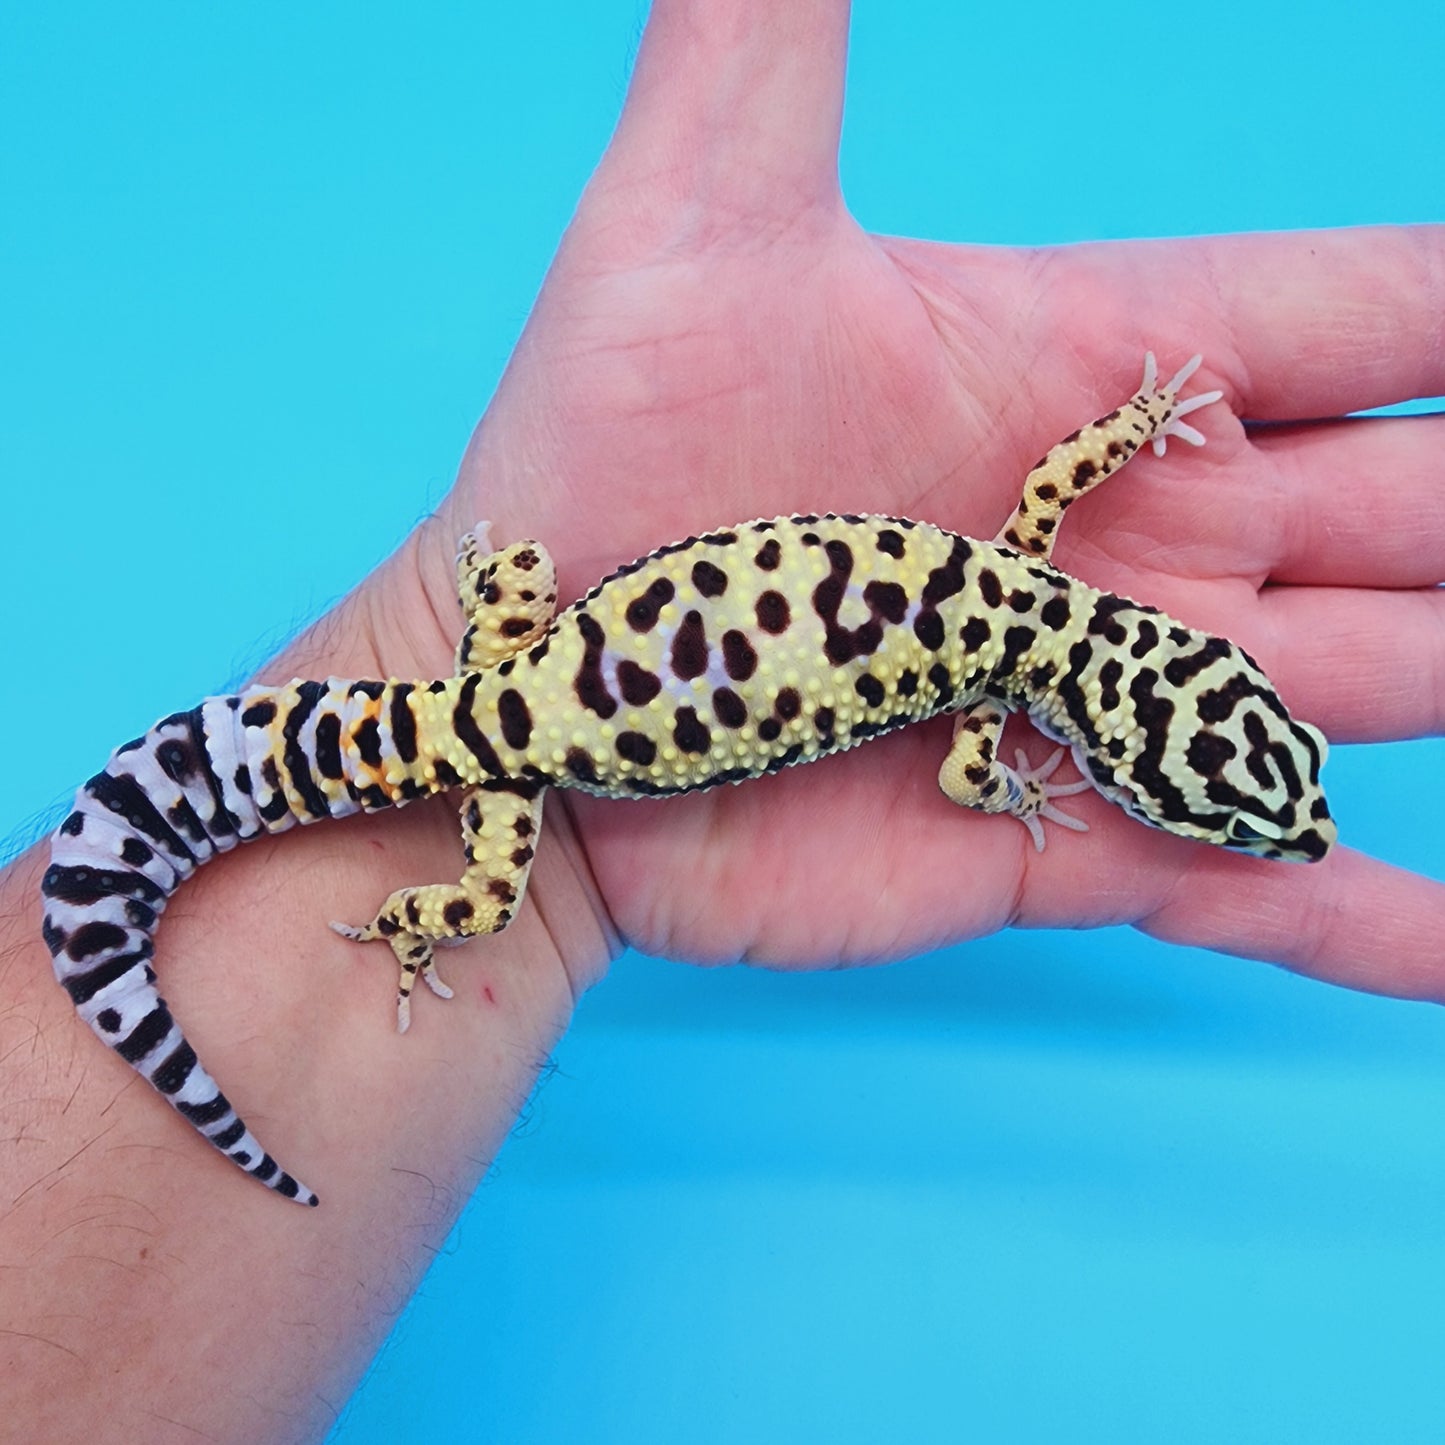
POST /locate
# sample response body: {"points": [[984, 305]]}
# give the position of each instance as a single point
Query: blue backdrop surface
{"points": [[264, 267]]}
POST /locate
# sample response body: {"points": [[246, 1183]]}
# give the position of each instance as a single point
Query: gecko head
{"points": [[1247, 772], [1216, 755], [1268, 784]]}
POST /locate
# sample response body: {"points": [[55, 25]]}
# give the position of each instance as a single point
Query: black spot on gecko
{"points": [[579, 764], [1016, 642], [886, 600], [94, 937], [1256, 760], [177, 761], [739, 658], [456, 913], [843, 644], [516, 718], [1147, 640], [689, 648], [642, 611], [1180, 670], [989, 587], [1109, 676], [1054, 614], [590, 686], [1208, 753], [773, 613], [367, 737], [824, 720], [1218, 704], [731, 711], [1104, 619], [689, 732], [403, 722], [890, 542], [907, 683], [870, 689], [928, 629], [709, 580], [769, 555], [464, 725], [770, 729], [789, 704], [182, 816], [639, 686], [636, 748], [975, 633], [259, 714], [328, 746], [948, 580]]}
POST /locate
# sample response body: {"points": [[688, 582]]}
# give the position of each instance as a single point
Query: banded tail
{"points": [[198, 783]]}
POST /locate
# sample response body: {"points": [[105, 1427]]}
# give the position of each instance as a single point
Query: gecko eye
{"points": [[1244, 828]]}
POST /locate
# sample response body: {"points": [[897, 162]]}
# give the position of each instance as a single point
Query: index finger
{"points": [[1321, 323]]}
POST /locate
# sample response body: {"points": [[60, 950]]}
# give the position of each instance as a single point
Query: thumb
{"points": [[733, 115]]}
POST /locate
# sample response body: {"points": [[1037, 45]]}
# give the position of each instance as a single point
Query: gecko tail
{"points": [[128, 1014], [166, 803]]}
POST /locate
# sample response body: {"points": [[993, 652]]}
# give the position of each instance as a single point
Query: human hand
{"points": [[719, 340]]}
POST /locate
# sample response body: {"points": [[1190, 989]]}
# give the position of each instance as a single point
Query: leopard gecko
{"points": [[716, 659]]}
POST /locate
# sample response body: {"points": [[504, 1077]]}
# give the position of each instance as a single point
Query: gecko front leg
{"points": [[1080, 462], [973, 777]]}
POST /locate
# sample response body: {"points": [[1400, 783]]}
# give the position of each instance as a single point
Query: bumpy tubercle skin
{"points": [[717, 659]]}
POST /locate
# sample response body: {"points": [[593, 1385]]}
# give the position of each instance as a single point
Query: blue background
{"points": [[259, 274]]}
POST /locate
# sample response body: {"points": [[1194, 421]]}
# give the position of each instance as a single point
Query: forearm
{"points": [[144, 1276]]}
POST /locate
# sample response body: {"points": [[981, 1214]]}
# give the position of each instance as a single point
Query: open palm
{"points": [[719, 340]]}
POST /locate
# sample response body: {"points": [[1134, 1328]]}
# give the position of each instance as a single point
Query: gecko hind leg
{"points": [[1080, 462], [973, 777], [499, 829]]}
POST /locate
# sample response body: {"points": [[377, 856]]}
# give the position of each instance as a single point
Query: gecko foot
{"points": [[414, 954], [1175, 425], [1036, 792]]}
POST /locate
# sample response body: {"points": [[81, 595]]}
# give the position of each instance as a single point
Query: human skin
{"points": [[716, 340]]}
